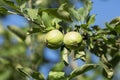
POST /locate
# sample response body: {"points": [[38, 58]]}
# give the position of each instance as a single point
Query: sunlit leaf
{"points": [[60, 12], [80, 70], [81, 13], [32, 13], [74, 14], [58, 67], [111, 27], [22, 7], [117, 28], [80, 55], [87, 6], [65, 54], [91, 20], [115, 20], [56, 76], [108, 69]]}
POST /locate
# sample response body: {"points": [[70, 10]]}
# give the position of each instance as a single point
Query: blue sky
{"points": [[105, 10]]}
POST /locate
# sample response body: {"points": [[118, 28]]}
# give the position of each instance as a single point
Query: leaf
{"points": [[96, 27], [110, 27], [30, 73], [84, 11], [60, 13], [58, 67], [80, 55], [74, 13], [55, 23], [117, 28], [37, 76], [87, 6], [34, 30], [91, 20], [32, 13], [108, 69], [23, 6], [115, 20], [81, 13], [82, 69], [115, 59], [47, 20], [11, 5], [65, 53], [17, 31], [23, 71], [56, 76], [3, 11]]}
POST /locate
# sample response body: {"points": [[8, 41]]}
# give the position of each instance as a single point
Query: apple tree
{"points": [[57, 24]]}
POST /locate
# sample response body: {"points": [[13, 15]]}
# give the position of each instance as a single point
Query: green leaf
{"points": [[23, 71], [34, 30], [82, 69], [117, 28], [84, 26], [3, 11], [30, 73], [37, 76], [84, 11], [108, 69], [110, 27], [23, 6], [115, 20], [17, 31], [55, 23], [60, 13], [56, 76], [80, 55], [74, 13], [65, 54], [47, 19], [11, 5], [32, 13], [87, 6], [91, 20], [82, 14], [58, 67]]}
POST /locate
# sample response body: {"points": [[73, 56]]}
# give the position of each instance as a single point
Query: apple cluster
{"points": [[55, 39]]}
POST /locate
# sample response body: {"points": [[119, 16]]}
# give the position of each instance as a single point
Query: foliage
{"points": [[102, 42]]}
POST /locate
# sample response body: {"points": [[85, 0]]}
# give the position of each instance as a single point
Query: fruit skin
{"points": [[54, 39], [72, 40]]}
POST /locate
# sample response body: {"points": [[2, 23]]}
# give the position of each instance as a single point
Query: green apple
{"points": [[72, 40], [54, 39]]}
